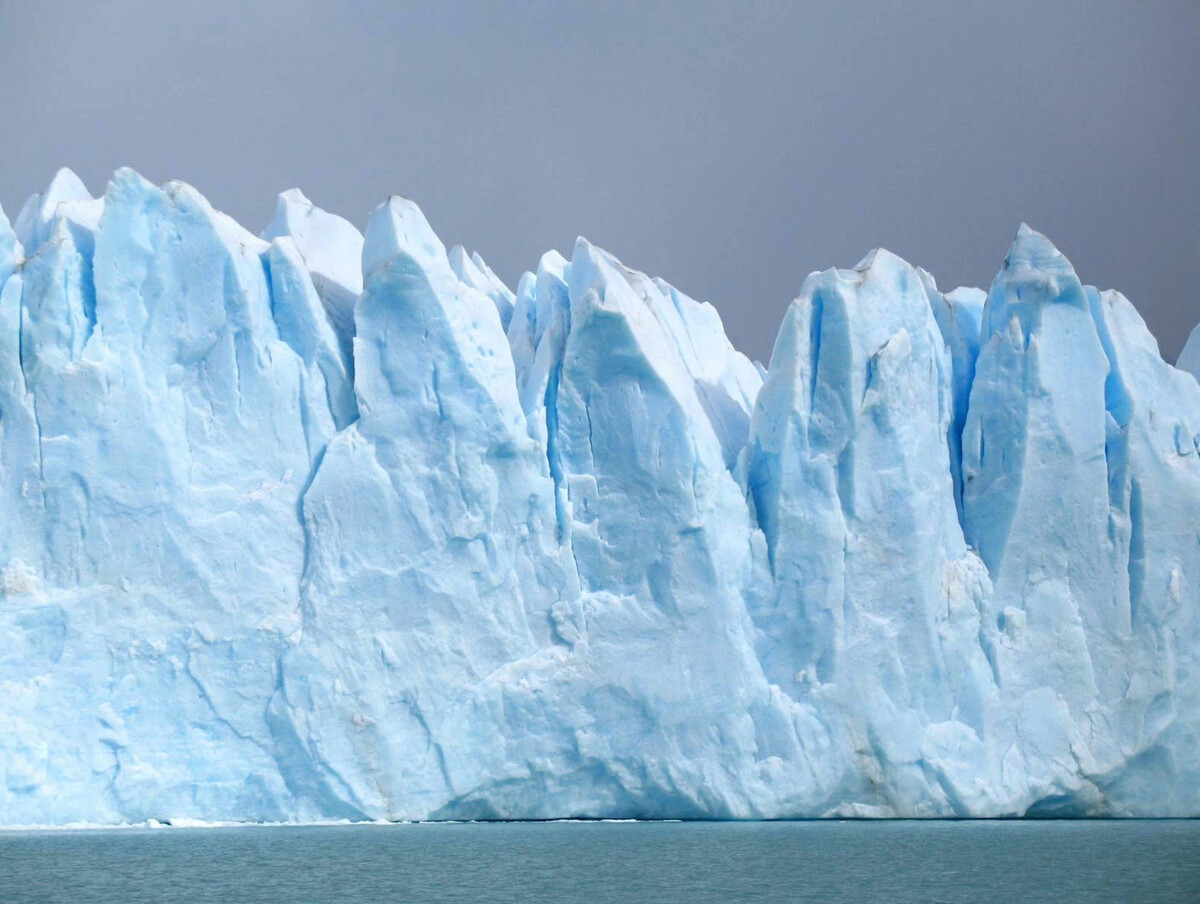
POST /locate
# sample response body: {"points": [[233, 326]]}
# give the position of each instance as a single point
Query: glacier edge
{"points": [[317, 525]]}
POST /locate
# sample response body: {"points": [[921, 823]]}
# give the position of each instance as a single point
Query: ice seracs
{"points": [[331, 249], [873, 617], [473, 272], [318, 526], [67, 200], [1189, 358], [431, 559]]}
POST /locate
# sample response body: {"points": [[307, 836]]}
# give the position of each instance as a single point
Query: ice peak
{"points": [[293, 197], [34, 224], [65, 186], [587, 268], [881, 258], [1035, 274], [1189, 358], [332, 251], [398, 226], [1032, 251], [595, 270], [11, 251], [967, 295], [128, 183], [7, 235], [474, 272], [330, 245], [552, 262]]}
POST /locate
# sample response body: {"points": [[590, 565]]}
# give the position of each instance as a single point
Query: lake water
{"points": [[827, 862]]}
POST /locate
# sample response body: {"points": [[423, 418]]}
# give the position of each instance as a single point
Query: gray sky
{"points": [[729, 148]]}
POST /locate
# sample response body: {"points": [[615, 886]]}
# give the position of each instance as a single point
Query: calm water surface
{"points": [[827, 862]]}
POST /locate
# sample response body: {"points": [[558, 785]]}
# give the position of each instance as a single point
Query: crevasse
{"points": [[323, 526]]}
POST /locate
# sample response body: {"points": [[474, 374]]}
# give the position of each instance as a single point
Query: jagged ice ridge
{"points": [[310, 527]]}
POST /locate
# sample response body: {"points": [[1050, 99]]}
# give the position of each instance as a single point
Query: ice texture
{"points": [[321, 526], [1189, 358]]}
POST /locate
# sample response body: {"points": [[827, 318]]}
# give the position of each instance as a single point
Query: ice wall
{"points": [[318, 526]]}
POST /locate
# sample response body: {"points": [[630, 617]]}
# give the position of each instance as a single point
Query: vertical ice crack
{"points": [[553, 458], [1137, 550]]}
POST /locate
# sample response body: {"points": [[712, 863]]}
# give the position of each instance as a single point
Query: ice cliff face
{"points": [[309, 526]]}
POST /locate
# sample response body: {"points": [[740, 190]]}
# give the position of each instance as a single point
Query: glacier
{"points": [[317, 525]]}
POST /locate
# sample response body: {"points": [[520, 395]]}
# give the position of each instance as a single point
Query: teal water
{"points": [[599, 863]]}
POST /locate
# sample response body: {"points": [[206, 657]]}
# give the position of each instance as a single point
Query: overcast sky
{"points": [[729, 148]]}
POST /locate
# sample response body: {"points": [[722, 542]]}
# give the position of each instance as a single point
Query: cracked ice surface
{"points": [[312, 526]]}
